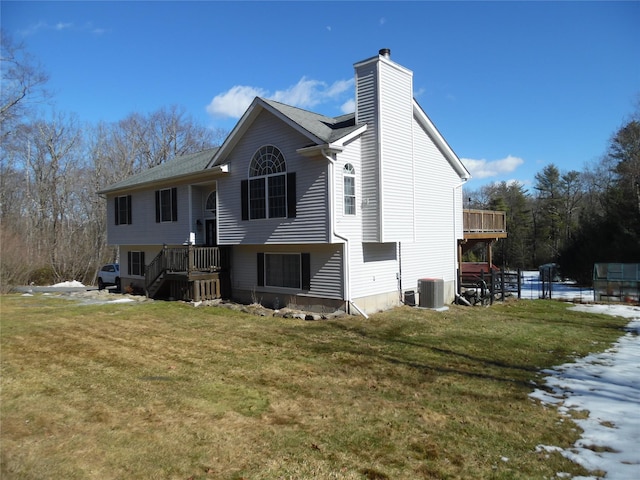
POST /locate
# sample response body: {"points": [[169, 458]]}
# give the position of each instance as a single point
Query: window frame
{"points": [[267, 261], [207, 206], [139, 263], [349, 199], [166, 208], [267, 199], [122, 205]]}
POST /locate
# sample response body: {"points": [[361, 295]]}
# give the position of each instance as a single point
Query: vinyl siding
{"points": [[367, 112], [311, 222], [433, 255], [396, 153], [325, 262], [373, 265], [349, 226], [373, 268], [144, 230]]}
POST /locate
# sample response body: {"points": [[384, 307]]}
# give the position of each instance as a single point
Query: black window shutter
{"points": [[143, 267], [157, 206], [174, 204], [291, 195], [129, 221], [261, 269], [129, 262], [306, 271], [117, 211], [244, 193]]}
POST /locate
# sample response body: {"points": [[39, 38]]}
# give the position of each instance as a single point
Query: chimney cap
{"points": [[385, 52]]}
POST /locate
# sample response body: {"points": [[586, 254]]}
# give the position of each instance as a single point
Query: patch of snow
{"points": [[607, 386], [531, 288], [72, 284]]}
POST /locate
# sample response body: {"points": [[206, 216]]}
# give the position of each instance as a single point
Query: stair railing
{"points": [[153, 271]]}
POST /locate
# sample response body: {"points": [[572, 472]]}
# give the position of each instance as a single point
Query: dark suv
{"points": [[109, 275]]}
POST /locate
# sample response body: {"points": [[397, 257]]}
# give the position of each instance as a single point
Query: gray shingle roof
{"points": [[178, 166], [328, 129]]}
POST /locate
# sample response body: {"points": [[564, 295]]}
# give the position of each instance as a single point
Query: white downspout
{"points": [[332, 232], [455, 233]]}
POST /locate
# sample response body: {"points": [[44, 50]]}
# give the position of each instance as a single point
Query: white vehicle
{"points": [[109, 275]]}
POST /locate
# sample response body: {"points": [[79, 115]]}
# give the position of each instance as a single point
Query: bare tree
{"points": [[51, 219], [23, 83], [139, 142]]}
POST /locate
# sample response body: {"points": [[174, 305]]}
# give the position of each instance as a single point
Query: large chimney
{"points": [[384, 101]]}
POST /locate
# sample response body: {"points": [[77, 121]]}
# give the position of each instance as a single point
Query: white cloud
{"points": [[306, 93], [33, 29], [349, 106], [491, 168], [234, 101], [36, 28], [339, 87]]}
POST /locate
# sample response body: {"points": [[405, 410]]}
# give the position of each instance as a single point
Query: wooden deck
{"points": [[188, 273], [484, 224]]}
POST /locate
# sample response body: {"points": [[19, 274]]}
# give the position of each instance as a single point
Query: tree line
{"points": [[572, 218], [53, 224]]}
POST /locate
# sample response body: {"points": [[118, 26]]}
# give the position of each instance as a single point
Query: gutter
{"points": [[196, 175], [326, 153], [456, 287]]}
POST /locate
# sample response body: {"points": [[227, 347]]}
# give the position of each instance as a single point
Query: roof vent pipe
{"points": [[385, 52]]}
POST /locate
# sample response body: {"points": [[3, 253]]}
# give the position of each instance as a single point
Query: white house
{"points": [[296, 208]]}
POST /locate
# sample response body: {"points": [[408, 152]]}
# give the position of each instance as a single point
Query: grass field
{"points": [[168, 391]]}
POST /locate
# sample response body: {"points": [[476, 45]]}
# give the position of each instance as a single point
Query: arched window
{"points": [[267, 184], [349, 180], [211, 206]]}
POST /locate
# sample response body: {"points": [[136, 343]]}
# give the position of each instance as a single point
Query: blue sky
{"points": [[512, 86]]}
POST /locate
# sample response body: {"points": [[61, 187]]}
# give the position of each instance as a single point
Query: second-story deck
{"points": [[484, 224], [481, 227]]}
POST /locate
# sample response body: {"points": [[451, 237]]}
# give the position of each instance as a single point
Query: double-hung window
{"points": [[167, 205], [285, 270], [136, 263], [270, 190], [349, 182], [123, 210]]}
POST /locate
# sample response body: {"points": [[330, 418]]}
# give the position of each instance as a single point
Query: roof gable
{"points": [[319, 129]]}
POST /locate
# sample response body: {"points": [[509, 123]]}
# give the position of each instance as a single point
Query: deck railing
{"points": [[186, 260], [484, 221]]}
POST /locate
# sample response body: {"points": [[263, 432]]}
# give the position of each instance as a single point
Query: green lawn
{"points": [[165, 390]]}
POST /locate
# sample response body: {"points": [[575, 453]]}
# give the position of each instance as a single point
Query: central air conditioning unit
{"points": [[431, 291]]}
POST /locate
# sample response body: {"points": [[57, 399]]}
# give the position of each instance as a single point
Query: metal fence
{"points": [[616, 282]]}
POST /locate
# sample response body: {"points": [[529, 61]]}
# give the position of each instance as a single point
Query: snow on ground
{"points": [[606, 385], [532, 289], [72, 284]]}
